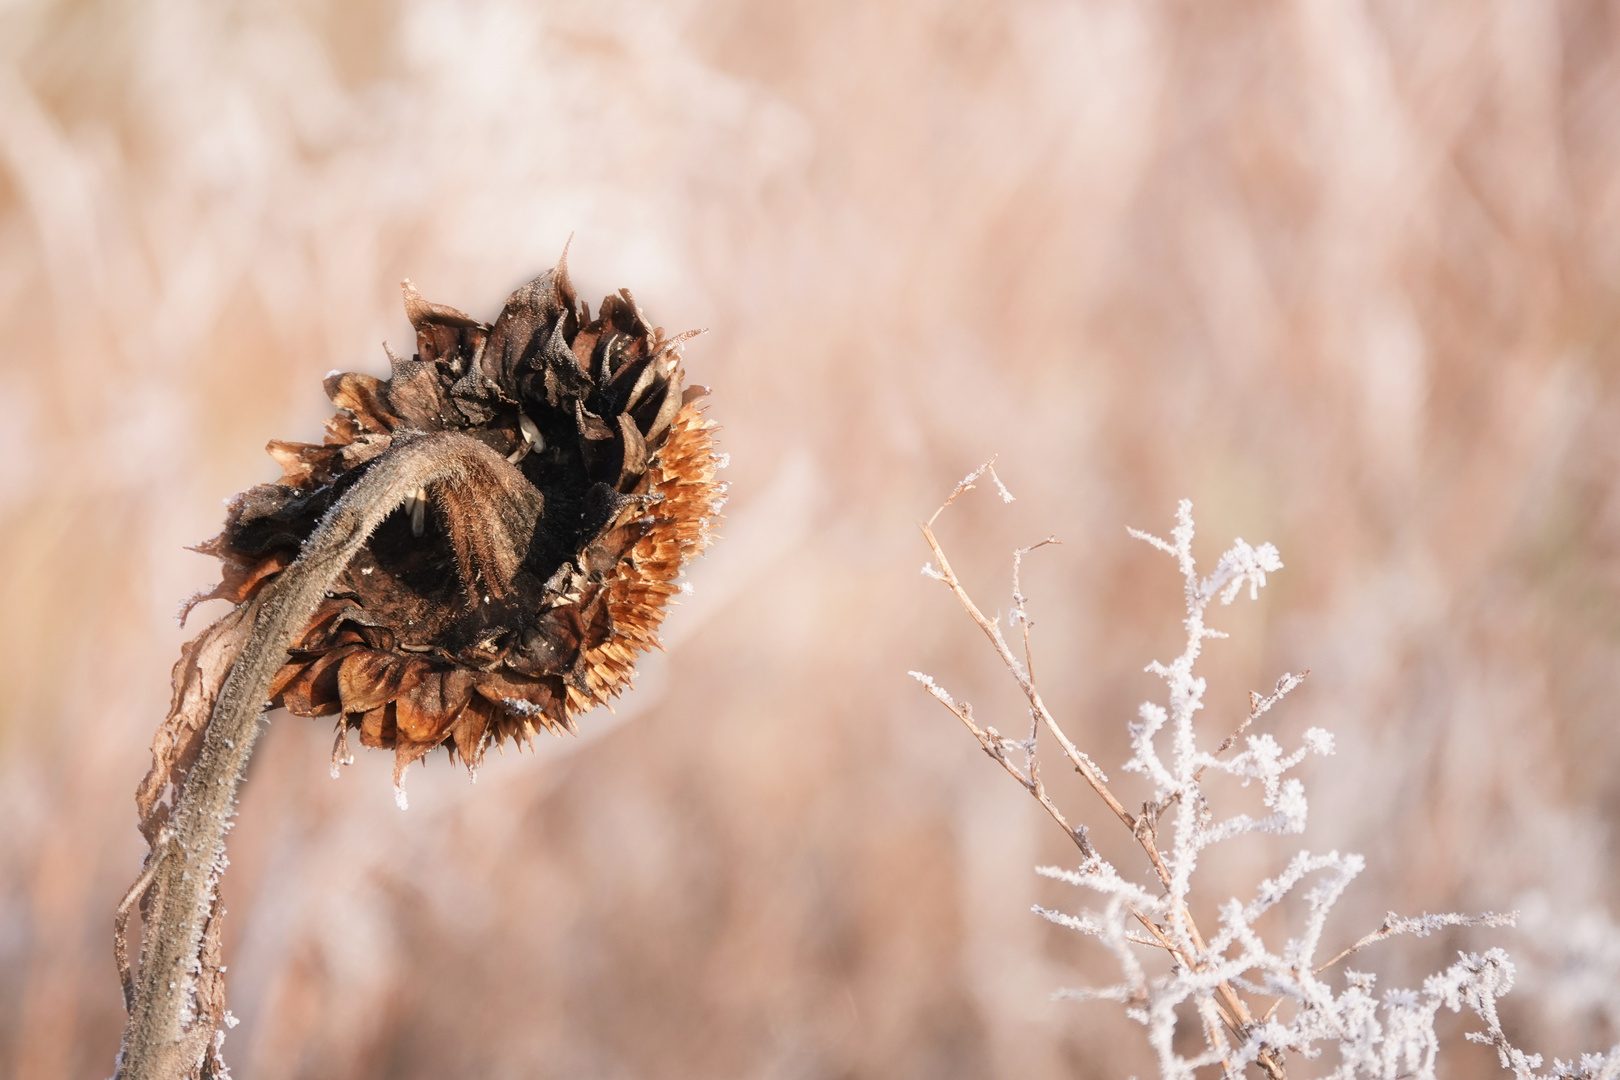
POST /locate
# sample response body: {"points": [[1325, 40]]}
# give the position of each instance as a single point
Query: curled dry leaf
{"points": [[515, 599], [198, 675]]}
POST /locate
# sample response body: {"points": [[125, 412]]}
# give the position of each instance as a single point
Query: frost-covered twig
{"points": [[1217, 978], [1183, 935]]}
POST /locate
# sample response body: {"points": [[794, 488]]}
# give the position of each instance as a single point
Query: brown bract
{"points": [[520, 598]]}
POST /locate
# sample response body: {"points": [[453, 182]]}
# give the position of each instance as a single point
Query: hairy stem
{"points": [[177, 1004]]}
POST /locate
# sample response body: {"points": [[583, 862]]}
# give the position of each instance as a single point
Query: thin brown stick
{"points": [[1394, 926], [1258, 706], [994, 745], [1019, 602], [1371, 939], [1082, 764]]}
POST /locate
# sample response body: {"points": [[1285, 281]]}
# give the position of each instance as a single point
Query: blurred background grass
{"points": [[1342, 272]]}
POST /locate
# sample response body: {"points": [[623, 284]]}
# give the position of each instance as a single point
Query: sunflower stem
{"points": [[178, 1006]]}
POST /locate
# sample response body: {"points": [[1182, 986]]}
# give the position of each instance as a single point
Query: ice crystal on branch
{"points": [[1261, 1006]]}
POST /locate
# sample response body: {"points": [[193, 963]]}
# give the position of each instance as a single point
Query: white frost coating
{"points": [[1321, 1005], [721, 497], [1006, 496], [721, 461], [933, 688], [1319, 741], [987, 467], [400, 798], [224, 1070]]}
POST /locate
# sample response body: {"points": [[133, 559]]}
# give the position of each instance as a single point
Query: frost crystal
{"points": [[1254, 1001]]}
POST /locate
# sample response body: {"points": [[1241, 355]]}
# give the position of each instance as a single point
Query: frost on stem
{"points": [[1256, 1002]]}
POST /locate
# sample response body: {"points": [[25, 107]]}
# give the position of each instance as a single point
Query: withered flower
{"points": [[515, 599]]}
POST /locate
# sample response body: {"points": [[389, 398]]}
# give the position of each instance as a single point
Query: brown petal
{"points": [[491, 511], [370, 679], [649, 378], [587, 355], [537, 702], [633, 461], [239, 580], [289, 671], [365, 396], [407, 753], [342, 429], [427, 709], [527, 312], [625, 316], [498, 688], [563, 285], [628, 381], [379, 727], [325, 625], [591, 427], [248, 584], [421, 313], [296, 468], [362, 450], [416, 395], [470, 728], [315, 691], [357, 624], [668, 406]]}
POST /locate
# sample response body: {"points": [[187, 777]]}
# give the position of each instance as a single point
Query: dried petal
{"points": [[365, 396], [427, 709], [370, 678], [314, 692]]}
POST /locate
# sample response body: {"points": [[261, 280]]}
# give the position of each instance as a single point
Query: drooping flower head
{"points": [[475, 613]]}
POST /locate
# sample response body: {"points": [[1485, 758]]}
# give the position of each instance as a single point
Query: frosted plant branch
{"points": [[1181, 934], [1256, 1003]]}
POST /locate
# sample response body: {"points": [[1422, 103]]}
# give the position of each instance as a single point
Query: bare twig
{"points": [[1020, 613], [1258, 706], [966, 485], [995, 746]]}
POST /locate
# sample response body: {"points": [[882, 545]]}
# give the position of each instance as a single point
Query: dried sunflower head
{"points": [[472, 616]]}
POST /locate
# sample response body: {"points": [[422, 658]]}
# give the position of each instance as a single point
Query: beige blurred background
{"points": [[1343, 273]]}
